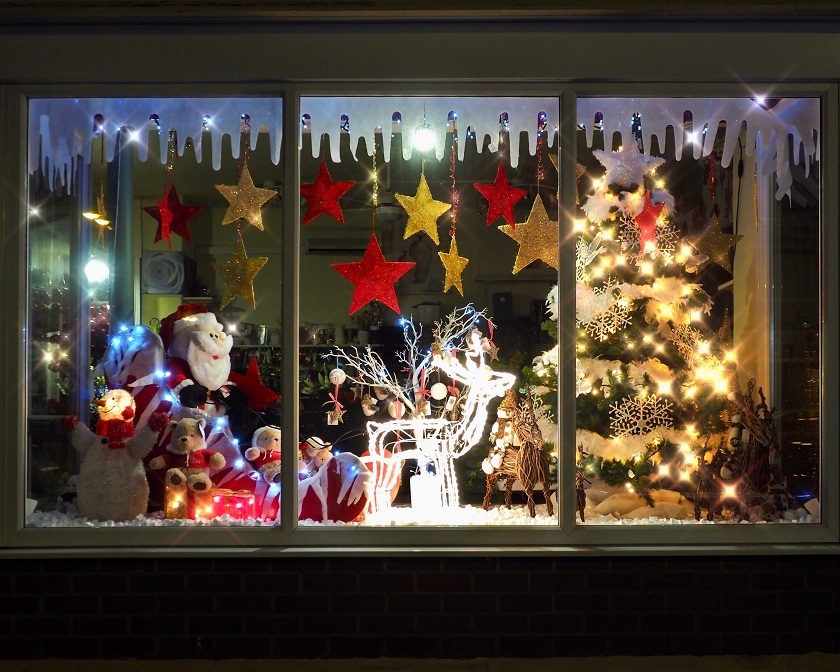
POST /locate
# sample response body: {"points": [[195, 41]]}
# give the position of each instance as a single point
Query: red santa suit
{"points": [[195, 459]]}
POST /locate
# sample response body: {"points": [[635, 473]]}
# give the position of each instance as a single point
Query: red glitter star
{"points": [[501, 197], [322, 196], [172, 217], [374, 277], [258, 395], [646, 221]]}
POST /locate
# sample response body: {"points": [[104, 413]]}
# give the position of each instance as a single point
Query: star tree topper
{"points": [[374, 277], [238, 274], [246, 200], [423, 211], [501, 197], [454, 266], [715, 243], [172, 216], [537, 238], [646, 221], [322, 196]]}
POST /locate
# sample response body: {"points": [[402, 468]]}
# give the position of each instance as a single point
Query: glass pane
{"points": [[154, 311], [428, 245], [697, 306]]}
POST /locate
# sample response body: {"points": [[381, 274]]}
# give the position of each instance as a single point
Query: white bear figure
{"points": [[112, 480], [264, 453]]}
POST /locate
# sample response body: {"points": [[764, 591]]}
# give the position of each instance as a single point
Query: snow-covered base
{"points": [[609, 519], [405, 516], [57, 519], [396, 517]]}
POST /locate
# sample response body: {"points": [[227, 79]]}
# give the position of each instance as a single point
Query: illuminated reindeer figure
{"points": [[436, 440]]}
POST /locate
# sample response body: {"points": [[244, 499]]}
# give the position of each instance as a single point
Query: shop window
{"points": [[154, 267], [698, 311], [426, 257], [432, 295]]}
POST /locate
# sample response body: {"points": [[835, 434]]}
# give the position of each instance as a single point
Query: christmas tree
{"points": [[652, 378]]}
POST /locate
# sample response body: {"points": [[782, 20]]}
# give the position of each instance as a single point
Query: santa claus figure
{"points": [[198, 368]]}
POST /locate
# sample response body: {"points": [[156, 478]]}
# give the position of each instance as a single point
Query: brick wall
{"points": [[454, 607]]}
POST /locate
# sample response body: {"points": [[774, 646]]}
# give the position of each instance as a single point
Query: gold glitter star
{"points": [[715, 243], [454, 266], [423, 211], [246, 200], [537, 237], [238, 274]]}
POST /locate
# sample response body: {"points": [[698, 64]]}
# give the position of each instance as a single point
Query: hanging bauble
{"points": [[337, 376], [396, 409], [438, 391]]}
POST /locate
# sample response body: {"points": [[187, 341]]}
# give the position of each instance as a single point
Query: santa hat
{"points": [[167, 324], [315, 443]]}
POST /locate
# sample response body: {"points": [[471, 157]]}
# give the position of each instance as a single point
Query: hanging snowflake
{"points": [[639, 415], [603, 311], [685, 338], [585, 254], [666, 238]]}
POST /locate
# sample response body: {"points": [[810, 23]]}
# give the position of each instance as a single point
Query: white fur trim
{"points": [[260, 431], [180, 386]]}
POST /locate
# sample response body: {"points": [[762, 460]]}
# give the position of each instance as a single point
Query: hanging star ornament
{"points": [[374, 277], [172, 216], [423, 211], [322, 196], [238, 274], [646, 221], [715, 243], [501, 197], [258, 395], [537, 238], [246, 200], [454, 266]]}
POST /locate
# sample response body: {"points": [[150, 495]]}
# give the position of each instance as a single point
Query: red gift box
{"points": [[238, 504]]}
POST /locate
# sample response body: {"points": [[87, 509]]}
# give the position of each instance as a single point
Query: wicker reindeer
{"points": [[526, 464]]}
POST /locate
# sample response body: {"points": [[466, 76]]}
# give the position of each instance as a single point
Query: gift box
{"points": [[238, 504], [181, 502]]}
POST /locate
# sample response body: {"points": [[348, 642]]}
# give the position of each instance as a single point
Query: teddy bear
{"points": [[112, 482], [187, 459], [316, 453], [264, 453]]}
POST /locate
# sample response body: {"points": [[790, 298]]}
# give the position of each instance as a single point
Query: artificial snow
{"points": [[466, 516]]}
